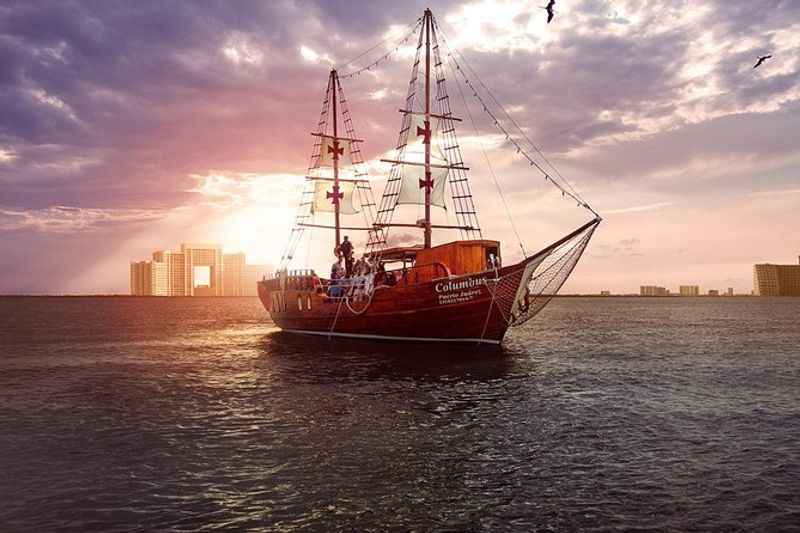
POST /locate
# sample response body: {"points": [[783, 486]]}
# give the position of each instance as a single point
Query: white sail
{"points": [[323, 197], [412, 193], [410, 190], [326, 151]]}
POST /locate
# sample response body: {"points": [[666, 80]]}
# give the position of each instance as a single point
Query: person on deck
{"points": [[337, 273], [359, 268], [347, 251]]}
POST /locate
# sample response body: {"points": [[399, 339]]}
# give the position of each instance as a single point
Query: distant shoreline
{"points": [[670, 297]]}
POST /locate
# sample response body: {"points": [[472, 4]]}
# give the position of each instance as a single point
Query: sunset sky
{"points": [[127, 127]]}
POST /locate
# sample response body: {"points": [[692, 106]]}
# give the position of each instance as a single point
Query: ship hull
{"points": [[452, 309]]}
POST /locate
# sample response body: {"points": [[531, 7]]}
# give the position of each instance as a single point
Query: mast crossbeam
{"points": [[434, 115], [315, 134], [430, 165], [341, 180], [325, 226]]}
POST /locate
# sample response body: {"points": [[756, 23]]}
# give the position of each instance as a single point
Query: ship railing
{"points": [[303, 280], [307, 280]]}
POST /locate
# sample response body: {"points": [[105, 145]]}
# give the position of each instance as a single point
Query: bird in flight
{"points": [[549, 8], [760, 60]]}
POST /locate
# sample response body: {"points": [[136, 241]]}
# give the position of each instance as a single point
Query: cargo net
{"points": [[522, 294]]}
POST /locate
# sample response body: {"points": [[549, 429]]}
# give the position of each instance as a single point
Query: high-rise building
{"points": [[149, 278], [689, 290], [776, 280], [176, 270], [233, 274], [140, 278], [203, 267], [653, 290], [196, 270], [729, 292]]}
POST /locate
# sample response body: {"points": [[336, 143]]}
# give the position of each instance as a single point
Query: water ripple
{"points": [[125, 414]]}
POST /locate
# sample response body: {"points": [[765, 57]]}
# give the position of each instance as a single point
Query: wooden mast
{"points": [[427, 140], [336, 195]]}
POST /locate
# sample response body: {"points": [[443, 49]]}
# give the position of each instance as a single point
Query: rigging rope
{"points": [[335, 318], [566, 189], [381, 59], [489, 164], [514, 122]]}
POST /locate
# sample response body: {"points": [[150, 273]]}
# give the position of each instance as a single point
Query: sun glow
{"points": [[260, 233], [250, 213]]}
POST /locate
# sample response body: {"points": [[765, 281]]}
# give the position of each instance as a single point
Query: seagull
{"points": [[549, 9], [760, 59]]}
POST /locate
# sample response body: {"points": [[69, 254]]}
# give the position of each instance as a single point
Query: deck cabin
{"points": [[455, 258]]}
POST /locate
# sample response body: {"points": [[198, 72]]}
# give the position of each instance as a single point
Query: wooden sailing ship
{"points": [[458, 291]]}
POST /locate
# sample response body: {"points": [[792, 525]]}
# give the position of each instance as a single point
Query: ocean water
{"points": [[135, 414]]}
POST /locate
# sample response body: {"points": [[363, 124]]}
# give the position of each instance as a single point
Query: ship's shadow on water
{"points": [[320, 358]]}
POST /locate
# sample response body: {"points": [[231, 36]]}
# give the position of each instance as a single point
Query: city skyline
{"points": [[119, 140], [196, 270]]}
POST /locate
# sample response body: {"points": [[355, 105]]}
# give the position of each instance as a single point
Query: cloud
{"points": [[778, 192], [624, 247], [638, 208], [7, 156], [401, 239], [231, 189], [63, 219]]}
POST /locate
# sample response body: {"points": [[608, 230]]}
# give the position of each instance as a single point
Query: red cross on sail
{"points": [[327, 150], [324, 200], [424, 131], [335, 198]]}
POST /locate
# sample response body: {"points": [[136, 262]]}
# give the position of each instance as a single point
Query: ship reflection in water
{"points": [[136, 413]]}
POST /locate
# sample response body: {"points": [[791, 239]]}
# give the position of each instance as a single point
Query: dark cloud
{"points": [[148, 84], [715, 155]]}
